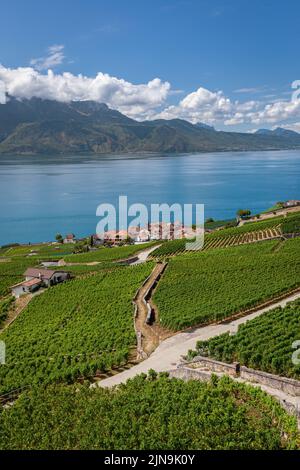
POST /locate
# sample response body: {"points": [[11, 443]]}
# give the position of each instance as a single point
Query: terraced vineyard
{"points": [[4, 308], [73, 330], [218, 240], [148, 413], [200, 287], [291, 225], [42, 250], [264, 343], [108, 254]]}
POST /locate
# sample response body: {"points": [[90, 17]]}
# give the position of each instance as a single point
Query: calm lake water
{"points": [[40, 196]]}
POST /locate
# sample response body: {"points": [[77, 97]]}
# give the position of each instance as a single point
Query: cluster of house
{"points": [[291, 203], [153, 231], [35, 278]]}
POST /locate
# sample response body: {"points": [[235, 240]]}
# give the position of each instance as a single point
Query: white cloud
{"points": [[134, 100], [214, 107], [209, 107], [276, 112], [141, 101], [2, 93], [249, 90], [293, 127], [54, 57]]}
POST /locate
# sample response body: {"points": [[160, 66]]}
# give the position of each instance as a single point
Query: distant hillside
{"points": [[38, 126], [279, 132]]}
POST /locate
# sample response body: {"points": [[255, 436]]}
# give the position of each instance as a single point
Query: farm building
{"points": [[291, 203], [26, 287], [70, 238], [36, 278]]}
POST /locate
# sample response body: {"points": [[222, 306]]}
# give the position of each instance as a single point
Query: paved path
{"points": [[169, 352], [143, 255]]}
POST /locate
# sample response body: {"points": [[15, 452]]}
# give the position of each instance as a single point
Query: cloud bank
{"points": [[139, 101], [133, 100]]}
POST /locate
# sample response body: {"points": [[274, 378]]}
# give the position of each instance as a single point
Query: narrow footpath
{"points": [[150, 336]]}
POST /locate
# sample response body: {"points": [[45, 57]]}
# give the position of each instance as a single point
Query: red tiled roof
{"points": [[32, 282]]}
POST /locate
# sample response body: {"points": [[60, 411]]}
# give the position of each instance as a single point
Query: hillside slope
{"points": [[38, 126]]}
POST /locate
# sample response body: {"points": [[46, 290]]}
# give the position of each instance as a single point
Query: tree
{"points": [[59, 238], [243, 213]]}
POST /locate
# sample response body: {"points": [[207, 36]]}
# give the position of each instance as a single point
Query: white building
{"points": [[36, 278]]}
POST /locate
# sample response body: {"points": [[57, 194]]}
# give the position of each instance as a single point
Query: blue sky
{"points": [[233, 51]]}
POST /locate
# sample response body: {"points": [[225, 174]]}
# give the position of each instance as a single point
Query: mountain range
{"points": [[37, 126]]}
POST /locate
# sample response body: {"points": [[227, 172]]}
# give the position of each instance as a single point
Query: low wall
{"points": [[185, 373], [153, 285], [215, 366], [289, 386], [285, 384]]}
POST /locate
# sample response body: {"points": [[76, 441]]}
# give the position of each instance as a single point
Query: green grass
{"points": [[148, 413], [201, 287], [73, 329], [264, 343]]}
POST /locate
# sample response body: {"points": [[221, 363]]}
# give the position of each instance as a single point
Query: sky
{"points": [[228, 63]]}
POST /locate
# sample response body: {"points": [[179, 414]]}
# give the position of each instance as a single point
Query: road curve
{"points": [[169, 352], [143, 255]]}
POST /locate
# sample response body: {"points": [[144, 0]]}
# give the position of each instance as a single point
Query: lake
{"points": [[43, 195]]}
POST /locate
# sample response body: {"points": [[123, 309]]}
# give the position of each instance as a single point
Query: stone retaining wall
{"points": [[153, 285], [215, 366], [285, 384], [289, 386]]}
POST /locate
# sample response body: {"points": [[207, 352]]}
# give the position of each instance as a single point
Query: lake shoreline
{"points": [[41, 196]]}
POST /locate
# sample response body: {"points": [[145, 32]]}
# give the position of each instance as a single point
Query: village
{"points": [[42, 277]]}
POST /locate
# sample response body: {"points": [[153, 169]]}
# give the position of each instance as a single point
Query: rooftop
{"points": [[39, 272]]}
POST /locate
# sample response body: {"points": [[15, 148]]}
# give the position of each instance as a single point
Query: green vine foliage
{"points": [[201, 287], [73, 330], [264, 343], [148, 413]]}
